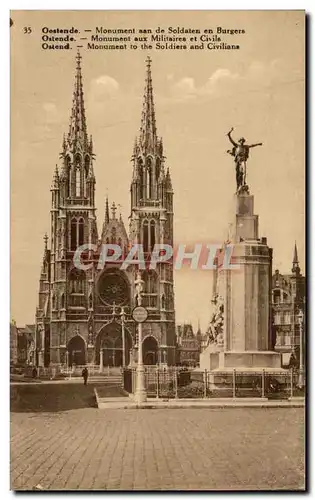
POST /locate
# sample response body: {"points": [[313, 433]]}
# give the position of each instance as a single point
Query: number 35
{"points": [[27, 30]]}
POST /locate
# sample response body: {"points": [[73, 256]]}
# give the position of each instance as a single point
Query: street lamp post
{"points": [[123, 316], [101, 360], [140, 393], [301, 375]]}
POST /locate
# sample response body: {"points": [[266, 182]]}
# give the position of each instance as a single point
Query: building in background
{"points": [[288, 299], [22, 345], [13, 344], [188, 345], [26, 345], [203, 339]]}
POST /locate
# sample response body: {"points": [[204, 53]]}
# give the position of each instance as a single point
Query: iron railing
{"points": [[63, 371], [176, 382]]}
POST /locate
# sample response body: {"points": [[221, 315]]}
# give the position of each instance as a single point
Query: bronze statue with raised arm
{"points": [[240, 151]]}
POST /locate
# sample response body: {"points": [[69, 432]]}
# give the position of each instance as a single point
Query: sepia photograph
{"points": [[158, 272]]}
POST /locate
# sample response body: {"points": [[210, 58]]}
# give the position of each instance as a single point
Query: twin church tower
{"points": [[80, 313]]}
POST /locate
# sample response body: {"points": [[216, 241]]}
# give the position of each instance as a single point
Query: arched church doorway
{"points": [[110, 341], [76, 350], [150, 350]]}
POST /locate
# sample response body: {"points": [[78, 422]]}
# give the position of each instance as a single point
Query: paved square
{"points": [[231, 448]]}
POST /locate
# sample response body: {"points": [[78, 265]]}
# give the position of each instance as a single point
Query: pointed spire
{"points": [[135, 148], [45, 262], [113, 209], [119, 208], [77, 130], [45, 242], [161, 178], [148, 135], [55, 181], [295, 263], [134, 160], [160, 151], [106, 211], [295, 255], [91, 176], [168, 180]]}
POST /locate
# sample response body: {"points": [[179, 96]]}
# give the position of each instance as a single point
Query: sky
{"points": [[199, 96]]}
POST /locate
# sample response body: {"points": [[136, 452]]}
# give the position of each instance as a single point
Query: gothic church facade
{"points": [[80, 312]]}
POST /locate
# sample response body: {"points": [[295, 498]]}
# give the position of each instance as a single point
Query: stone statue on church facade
{"points": [[90, 330]]}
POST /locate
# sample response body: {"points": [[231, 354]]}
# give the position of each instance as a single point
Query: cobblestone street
{"points": [[158, 449]]}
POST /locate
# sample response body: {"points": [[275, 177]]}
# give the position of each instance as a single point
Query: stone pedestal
{"points": [[247, 298], [246, 293], [246, 361]]}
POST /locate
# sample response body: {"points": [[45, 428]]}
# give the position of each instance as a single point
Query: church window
{"points": [[78, 182], [145, 236], [62, 301], [68, 164], [152, 234], [73, 236], [90, 301], [152, 278], [157, 168], [81, 231], [149, 177], [141, 178], [163, 302], [150, 288], [87, 166], [77, 288]]}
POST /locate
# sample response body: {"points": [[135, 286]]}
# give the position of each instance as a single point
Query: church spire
{"points": [[45, 244], [77, 130], [168, 181], [55, 181], [150, 179], [113, 209], [148, 135], [44, 269], [295, 263], [106, 211]]}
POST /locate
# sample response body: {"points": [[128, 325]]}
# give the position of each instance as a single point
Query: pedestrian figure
{"points": [[85, 375], [34, 372]]}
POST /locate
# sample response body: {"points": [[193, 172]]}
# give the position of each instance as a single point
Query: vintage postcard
{"points": [[157, 250]]}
